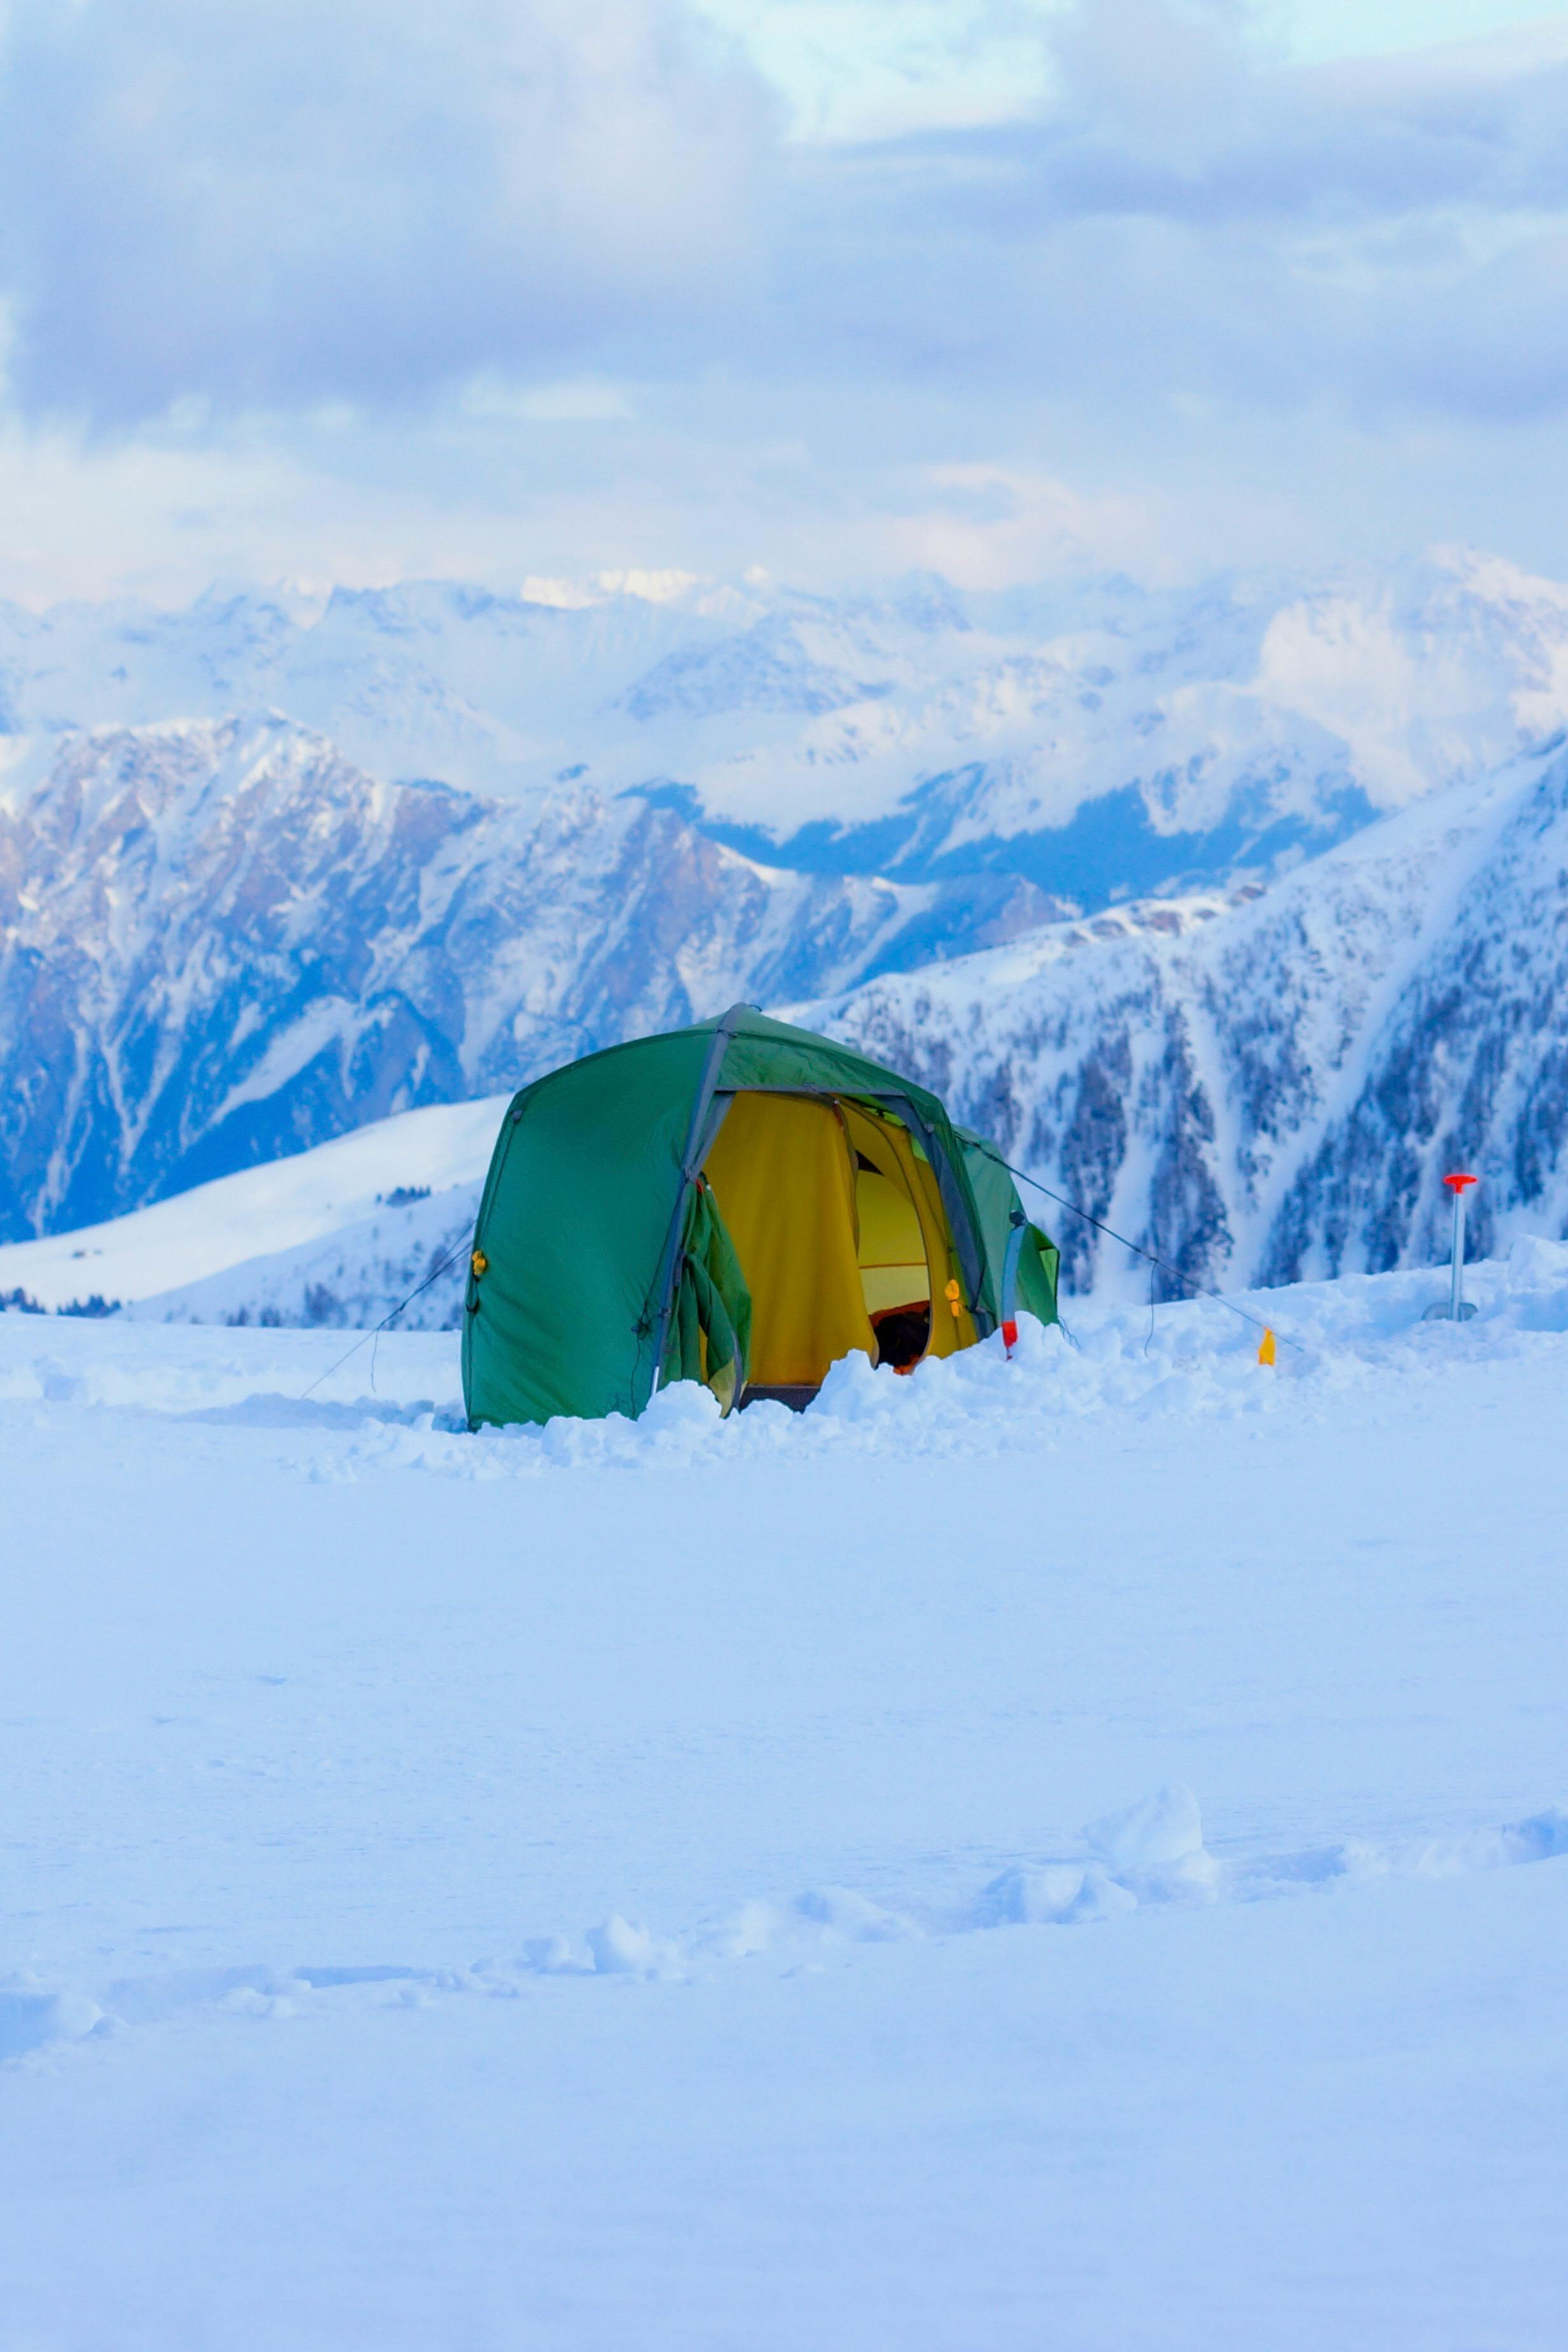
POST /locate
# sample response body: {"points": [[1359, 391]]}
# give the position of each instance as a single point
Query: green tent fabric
{"points": [[600, 1258], [710, 1325], [1039, 1260]]}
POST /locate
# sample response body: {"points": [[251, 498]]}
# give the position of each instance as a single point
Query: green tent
{"points": [[739, 1204]]}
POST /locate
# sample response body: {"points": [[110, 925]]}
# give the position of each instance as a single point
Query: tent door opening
{"points": [[837, 1219]]}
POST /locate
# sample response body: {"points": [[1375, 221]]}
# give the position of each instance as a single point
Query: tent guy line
{"points": [[366, 1337], [1023, 1175]]}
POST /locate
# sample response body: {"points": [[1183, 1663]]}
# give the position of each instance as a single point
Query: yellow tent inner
{"points": [[893, 1270], [835, 1216], [895, 1156]]}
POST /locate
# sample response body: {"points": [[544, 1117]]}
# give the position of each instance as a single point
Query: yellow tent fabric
{"points": [[887, 1144], [784, 1177], [893, 1270]]}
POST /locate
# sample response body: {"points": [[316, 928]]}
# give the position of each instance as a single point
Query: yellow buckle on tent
{"points": [[479, 1262], [955, 1297]]}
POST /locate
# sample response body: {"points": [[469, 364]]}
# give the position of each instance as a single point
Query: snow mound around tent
{"points": [[396, 1402]]}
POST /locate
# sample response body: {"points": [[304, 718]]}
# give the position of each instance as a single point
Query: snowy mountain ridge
{"points": [[224, 939], [1259, 1086], [1098, 739], [221, 942], [1271, 1089], [407, 1181]]}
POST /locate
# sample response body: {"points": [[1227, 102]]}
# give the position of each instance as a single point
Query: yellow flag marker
{"points": [[1266, 1352]]}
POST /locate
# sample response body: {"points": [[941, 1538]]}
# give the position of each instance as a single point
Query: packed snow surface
{"points": [[1064, 1853]]}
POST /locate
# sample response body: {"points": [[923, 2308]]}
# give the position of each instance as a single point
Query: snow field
{"points": [[294, 1212], [807, 1932], [395, 1400], [1068, 1852]]}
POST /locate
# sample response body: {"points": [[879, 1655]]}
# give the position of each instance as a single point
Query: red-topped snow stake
{"points": [[1456, 1310], [1009, 1284]]}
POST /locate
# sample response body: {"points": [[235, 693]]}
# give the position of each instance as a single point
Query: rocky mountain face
{"points": [[221, 942], [1266, 1086]]}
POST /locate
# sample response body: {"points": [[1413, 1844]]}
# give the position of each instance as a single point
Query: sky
{"points": [[829, 289]]}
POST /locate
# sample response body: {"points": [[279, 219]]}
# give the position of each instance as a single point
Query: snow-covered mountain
{"points": [[319, 1237], [220, 942], [224, 938], [406, 1260], [1097, 738], [1261, 1086], [1270, 1085]]}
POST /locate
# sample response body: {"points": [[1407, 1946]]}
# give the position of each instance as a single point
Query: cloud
{"points": [[277, 200], [1171, 111], [285, 202], [546, 282], [1188, 219]]}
